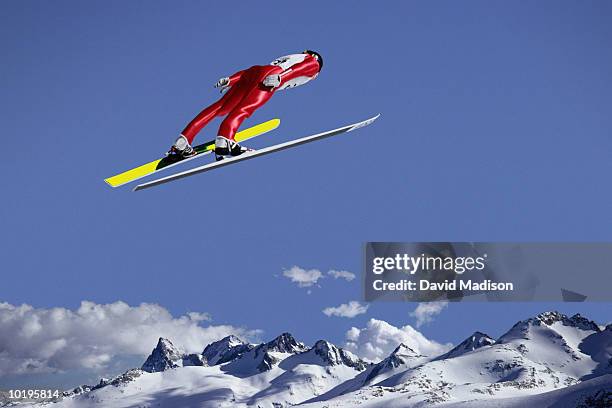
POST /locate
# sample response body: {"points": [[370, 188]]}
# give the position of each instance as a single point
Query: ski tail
{"points": [[257, 153], [156, 165]]}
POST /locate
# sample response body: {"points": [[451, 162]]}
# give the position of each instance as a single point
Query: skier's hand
{"points": [[272, 81], [223, 84]]}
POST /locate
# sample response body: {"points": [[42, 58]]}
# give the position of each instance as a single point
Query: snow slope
{"points": [[593, 393]]}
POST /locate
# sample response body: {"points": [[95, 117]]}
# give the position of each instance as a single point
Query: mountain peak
{"points": [[224, 350], [576, 320], [524, 329], [285, 343], [165, 344], [551, 317], [166, 356], [481, 339], [583, 323], [401, 356], [266, 355], [323, 345], [232, 339], [334, 355], [473, 342], [403, 349]]}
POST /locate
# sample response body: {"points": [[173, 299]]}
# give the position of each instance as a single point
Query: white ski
{"points": [[256, 153]]}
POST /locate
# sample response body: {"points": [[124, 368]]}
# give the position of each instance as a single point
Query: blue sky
{"points": [[495, 126]]}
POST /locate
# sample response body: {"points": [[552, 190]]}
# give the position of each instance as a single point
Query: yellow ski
{"points": [[203, 149]]}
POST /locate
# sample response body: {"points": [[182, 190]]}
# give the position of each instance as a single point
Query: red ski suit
{"points": [[247, 93]]}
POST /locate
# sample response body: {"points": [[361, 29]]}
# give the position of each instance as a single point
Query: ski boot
{"points": [[181, 148], [225, 147]]}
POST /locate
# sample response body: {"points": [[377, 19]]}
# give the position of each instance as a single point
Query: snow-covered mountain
{"points": [[542, 354], [475, 341], [165, 356], [224, 350], [546, 360], [401, 359]]}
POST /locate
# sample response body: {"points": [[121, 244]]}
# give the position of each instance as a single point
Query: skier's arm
{"points": [[235, 78], [226, 82]]}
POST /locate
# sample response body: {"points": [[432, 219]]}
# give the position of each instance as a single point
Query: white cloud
{"points": [[348, 276], [50, 340], [350, 309], [304, 278], [199, 317], [378, 339], [353, 334], [425, 312]]}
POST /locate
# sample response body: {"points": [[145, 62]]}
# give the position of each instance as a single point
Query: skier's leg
{"points": [[251, 100], [247, 106], [224, 105], [182, 145], [201, 120], [225, 143], [253, 95]]}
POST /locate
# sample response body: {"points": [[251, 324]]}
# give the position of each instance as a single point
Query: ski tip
{"points": [[144, 186], [372, 119], [110, 184], [364, 123]]}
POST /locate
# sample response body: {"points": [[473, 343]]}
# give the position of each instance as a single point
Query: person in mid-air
{"points": [[247, 90]]}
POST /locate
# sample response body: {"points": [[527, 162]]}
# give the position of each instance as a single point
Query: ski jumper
{"points": [[247, 93]]}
